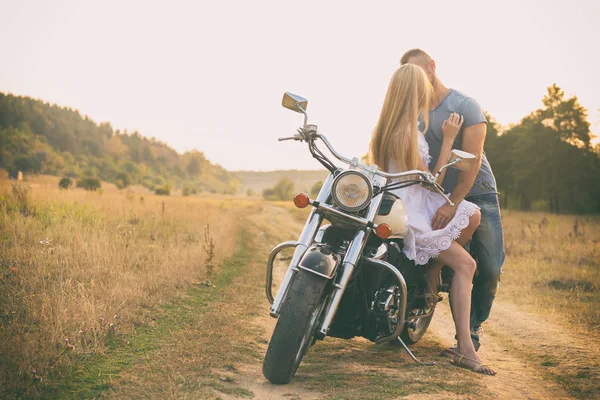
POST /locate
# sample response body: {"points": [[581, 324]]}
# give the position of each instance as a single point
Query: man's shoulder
{"points": [[465, 104], [468, 107], [460, 97]]}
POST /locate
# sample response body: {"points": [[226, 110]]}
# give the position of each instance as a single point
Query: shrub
{"points": [[123, 180], [162, 191], [186, 191], [283, 190], [65, 183], [91, 184]]}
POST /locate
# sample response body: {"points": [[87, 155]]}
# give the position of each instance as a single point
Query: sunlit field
{"points": [[78, 268]]}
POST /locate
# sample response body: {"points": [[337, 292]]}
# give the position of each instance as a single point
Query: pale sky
{"points": [[211, 74]]}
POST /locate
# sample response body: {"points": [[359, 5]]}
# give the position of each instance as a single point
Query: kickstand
{"points": [[415, 359]]}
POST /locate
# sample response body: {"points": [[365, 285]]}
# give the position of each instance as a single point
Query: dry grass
{"points": [[553, 265], [77, 268], [92, 266]]}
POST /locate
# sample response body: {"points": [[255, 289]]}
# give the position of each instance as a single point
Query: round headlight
{"points": [[352, 191]]}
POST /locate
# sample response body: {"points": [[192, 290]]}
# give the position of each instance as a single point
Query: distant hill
{"points": [[258, 181], [38, 137]]}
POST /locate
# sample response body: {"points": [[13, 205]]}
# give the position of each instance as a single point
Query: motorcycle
{"points": [[349, 277]]}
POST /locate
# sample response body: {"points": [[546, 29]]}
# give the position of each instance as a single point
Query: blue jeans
{"points": [[487, 248]]}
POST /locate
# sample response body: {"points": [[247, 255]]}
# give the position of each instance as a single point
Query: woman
{"points": [[397, 145]]}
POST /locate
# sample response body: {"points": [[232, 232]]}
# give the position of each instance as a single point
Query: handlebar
{"points": [[426, 177]]}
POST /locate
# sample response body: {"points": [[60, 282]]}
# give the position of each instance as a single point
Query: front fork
{"points": [[306, 238]]}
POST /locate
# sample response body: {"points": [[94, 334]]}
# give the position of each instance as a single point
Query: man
{"points": [[477, 186]]}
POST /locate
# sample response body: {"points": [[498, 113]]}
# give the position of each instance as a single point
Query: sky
{"points": [[210, 75]]}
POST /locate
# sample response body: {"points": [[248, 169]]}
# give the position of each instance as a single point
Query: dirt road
{"points": [[511, 343]]}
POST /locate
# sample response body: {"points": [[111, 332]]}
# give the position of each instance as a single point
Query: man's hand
{"points": [[443, 216]]}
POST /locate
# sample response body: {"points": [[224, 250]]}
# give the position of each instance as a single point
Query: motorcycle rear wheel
{"points": [[295, 328], [412, 336]]}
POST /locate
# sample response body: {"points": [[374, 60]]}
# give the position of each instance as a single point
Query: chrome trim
{"points": [[331, 210], [313, 222], [337, 181], [381, 252], [415, 317], [335, 153], [352, 256], [450, 164], [403, 295], [276, 250], [312, 271], [321, 233]]}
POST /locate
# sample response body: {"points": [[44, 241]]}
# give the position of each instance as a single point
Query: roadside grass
{"points": [[128, 356], [553, 265], [579, 377], [78, 269]]}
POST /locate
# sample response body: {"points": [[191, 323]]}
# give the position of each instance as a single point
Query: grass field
{"points": [[94, 284]]}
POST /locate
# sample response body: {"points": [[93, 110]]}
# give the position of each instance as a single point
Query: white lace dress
{"points": [[422, 242]]}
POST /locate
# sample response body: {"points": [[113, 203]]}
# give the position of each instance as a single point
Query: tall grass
{"points": [[78, 267], [553, 264]]}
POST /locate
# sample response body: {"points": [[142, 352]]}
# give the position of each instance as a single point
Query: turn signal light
{"points": [[383, 231], [301, 200]]}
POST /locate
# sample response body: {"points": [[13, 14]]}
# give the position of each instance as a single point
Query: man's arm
{"points": [[473, 138], [472, 142]]}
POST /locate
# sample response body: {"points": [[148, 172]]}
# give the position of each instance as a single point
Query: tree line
{"points": [[37, 137], [547, 161]]}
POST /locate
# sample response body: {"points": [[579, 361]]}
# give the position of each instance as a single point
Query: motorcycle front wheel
{"points": [[295, 328]]}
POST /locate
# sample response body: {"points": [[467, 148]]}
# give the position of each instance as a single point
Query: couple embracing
{"points": [[420, 123]]}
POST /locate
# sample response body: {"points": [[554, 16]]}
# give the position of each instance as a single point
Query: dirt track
{"points": [[510, 336]]}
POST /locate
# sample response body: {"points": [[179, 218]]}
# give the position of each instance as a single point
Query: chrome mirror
{"points": [[462, 160], [294, 103]]}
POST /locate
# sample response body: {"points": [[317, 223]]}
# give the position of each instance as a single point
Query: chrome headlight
{"points": [[352, 190]]}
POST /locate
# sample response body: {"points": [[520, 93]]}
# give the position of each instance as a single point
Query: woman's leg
{"points": [[464, 268], [433, 271], [466, 233]]}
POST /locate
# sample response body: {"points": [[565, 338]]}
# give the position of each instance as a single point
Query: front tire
{"points": [[295, 328]]}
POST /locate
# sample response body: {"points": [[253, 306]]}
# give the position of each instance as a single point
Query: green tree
{"points": [[65, 183], [193, 168], [546, 159], [123, 180], [283, 190], [90, 184]]}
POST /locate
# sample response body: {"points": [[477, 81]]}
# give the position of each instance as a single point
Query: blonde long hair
{"points": [[409, 93]]}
